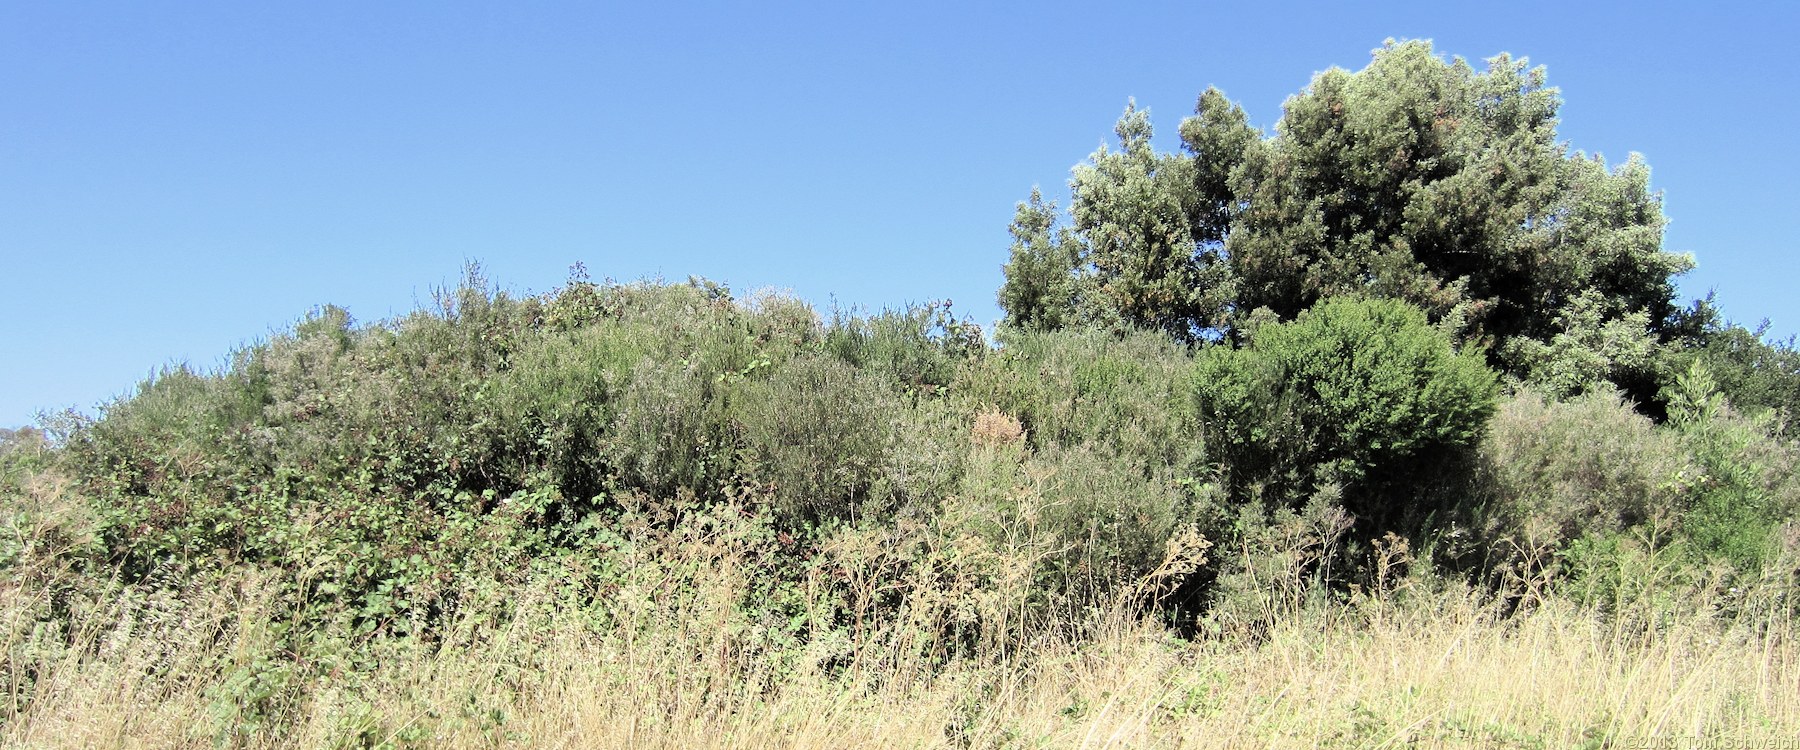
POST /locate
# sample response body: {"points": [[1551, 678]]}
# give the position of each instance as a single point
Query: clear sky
{"points": [[179, 179]]}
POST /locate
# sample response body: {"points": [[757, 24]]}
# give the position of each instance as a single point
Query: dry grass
{"points": [[1421, 664], [1434, 672], [993, 427]]}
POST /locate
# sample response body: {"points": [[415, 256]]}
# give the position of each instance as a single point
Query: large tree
{"points": [[1417, 178]]}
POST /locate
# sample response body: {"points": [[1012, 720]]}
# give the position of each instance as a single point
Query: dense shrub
{"points": [[1081, 524], [1072, 387], [1752, 371], [1747, 482], [671, 433], [1593, 496], [1563, 470], [821, 434], [931, 449], [1360, 393], [385, 476], [1277, 560], [917, 349], [554, 407]]}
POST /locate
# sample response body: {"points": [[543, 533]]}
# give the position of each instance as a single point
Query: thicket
{"points": [[387, 470], [890, 476], [1347, 281], [1363, 397]]}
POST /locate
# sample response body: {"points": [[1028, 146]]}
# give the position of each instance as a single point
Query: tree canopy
{"points": [[1417, 178]]}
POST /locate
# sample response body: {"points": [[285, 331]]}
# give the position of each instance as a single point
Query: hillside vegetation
{"points": [[1421, 454]]}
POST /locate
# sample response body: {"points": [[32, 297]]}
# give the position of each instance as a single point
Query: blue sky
{"points": [[178, 180]]}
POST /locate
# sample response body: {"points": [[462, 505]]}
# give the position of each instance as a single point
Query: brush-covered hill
{"points": [[1384, 430], [756, 504]]}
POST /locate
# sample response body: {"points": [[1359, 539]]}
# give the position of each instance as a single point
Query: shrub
{"points": [[1079, 522], [1362, 393], [1754, 371], [1562, 470], [1747, 482], [556, 404], [931, 450], [917, 349], [821, 433], [1126, 395], [671, 432], [1278, 561]]}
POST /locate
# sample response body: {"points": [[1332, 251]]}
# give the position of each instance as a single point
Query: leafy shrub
{"points": [[1362, 393], [918, 349], [170, 475], [1084, 386], [1079, 522], [639, 385], [821, 433], [672, 432], [930, 453], [41, 520], [1278, 561], [555, 406], [1748, 481], [1563, 470], [784, 324], [1752, 371], [1589, 351], [1081, 453]]}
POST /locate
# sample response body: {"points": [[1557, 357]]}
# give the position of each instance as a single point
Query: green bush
{"points": [[1588, 485], [917, 349], [1559, 471], [1074, 387], [931, 451], [387, 476], [1752, 371], [1279, 560], [1081, 523], [1095, 477], [385, 468], [1365, 394], [821, 433], [1748, 481], [555, 406], [672, 432]]}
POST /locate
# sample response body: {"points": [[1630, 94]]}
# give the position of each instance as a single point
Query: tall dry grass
{"points": [[1450, 678], [1426, 664]]}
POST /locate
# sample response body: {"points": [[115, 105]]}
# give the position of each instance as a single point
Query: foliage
{"points": [[1415, 178], [917, 349], [821, 434], [1752, 372], [1278, 564], [1243, 399], [1078, 522], [1746, 483], [1588, 352], [1083, 386], [1560, 471], [672, 434], [1134, 212], [739, 497], [1039, 293], [1362, 394]]}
